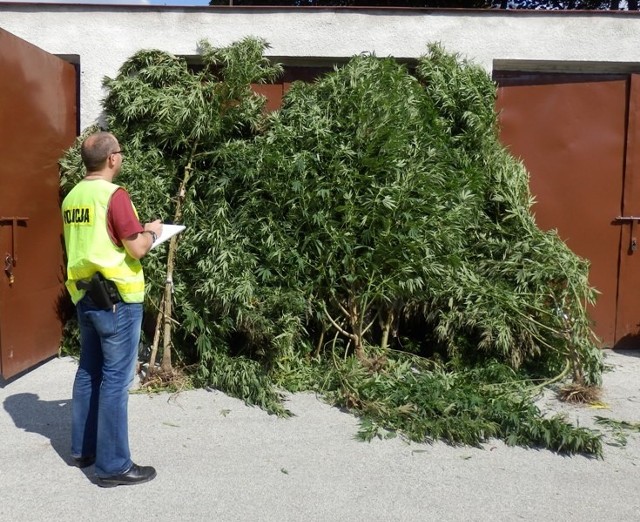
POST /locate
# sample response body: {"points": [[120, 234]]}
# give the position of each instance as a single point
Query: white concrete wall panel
{"points": [[104, 36]]}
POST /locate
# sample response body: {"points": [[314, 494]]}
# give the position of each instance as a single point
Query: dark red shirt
{"points": [[121, 218]]}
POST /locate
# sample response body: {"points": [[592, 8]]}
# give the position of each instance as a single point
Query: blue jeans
{"points": [[109, 348]]}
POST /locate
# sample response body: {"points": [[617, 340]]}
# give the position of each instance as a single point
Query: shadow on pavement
{"points": [[627, 352], [628, 345], [51, 419]]}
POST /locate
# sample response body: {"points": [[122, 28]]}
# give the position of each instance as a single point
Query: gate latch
{"points": [[632, 220], [11, 259]]}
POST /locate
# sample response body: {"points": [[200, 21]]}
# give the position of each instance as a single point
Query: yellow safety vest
{"points": [[89, 246]]}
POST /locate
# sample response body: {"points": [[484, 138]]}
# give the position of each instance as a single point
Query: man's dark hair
{"points": [[96, 149]]}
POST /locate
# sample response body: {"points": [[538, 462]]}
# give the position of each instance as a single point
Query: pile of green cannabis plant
{"points": [[375, 217], [465, 406]]}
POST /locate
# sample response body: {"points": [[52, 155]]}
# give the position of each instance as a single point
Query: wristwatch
{"points": [[154, 236]]}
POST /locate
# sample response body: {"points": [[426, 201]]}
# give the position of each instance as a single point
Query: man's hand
{"points": [[139, 244], [154, 226]]}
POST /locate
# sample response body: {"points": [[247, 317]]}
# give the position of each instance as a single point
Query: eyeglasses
{"points": [[116, 152]]}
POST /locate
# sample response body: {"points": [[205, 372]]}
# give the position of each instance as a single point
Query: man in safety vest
{"points": [[105, 242]]}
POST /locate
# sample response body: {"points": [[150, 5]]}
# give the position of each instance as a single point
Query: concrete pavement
{"points": [[218, 459]]}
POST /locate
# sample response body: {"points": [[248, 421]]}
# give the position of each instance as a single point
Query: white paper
{"points": [[168, 231]]}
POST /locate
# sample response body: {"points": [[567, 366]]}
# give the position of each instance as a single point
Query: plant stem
{"points": [[156, 340], [166, 364], [387, 328]]}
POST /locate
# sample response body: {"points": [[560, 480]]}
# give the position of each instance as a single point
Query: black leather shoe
{"points": [[83, 462], [135, 475]]}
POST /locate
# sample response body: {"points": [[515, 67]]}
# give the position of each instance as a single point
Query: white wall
{"points": [[104, 36]]}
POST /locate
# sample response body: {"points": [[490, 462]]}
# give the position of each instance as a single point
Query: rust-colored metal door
{"points": [[37, 123], [571, 133], [628, 309]]}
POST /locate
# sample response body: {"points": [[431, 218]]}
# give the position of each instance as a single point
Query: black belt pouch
{"points": [[102, 292]]}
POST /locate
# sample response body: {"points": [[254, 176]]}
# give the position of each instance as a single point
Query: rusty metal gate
{"points": [[37, 123], [578, 137]]}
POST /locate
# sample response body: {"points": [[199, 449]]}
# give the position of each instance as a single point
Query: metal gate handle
{"points": [[11, 259], [633, 246], [8, 268]]}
